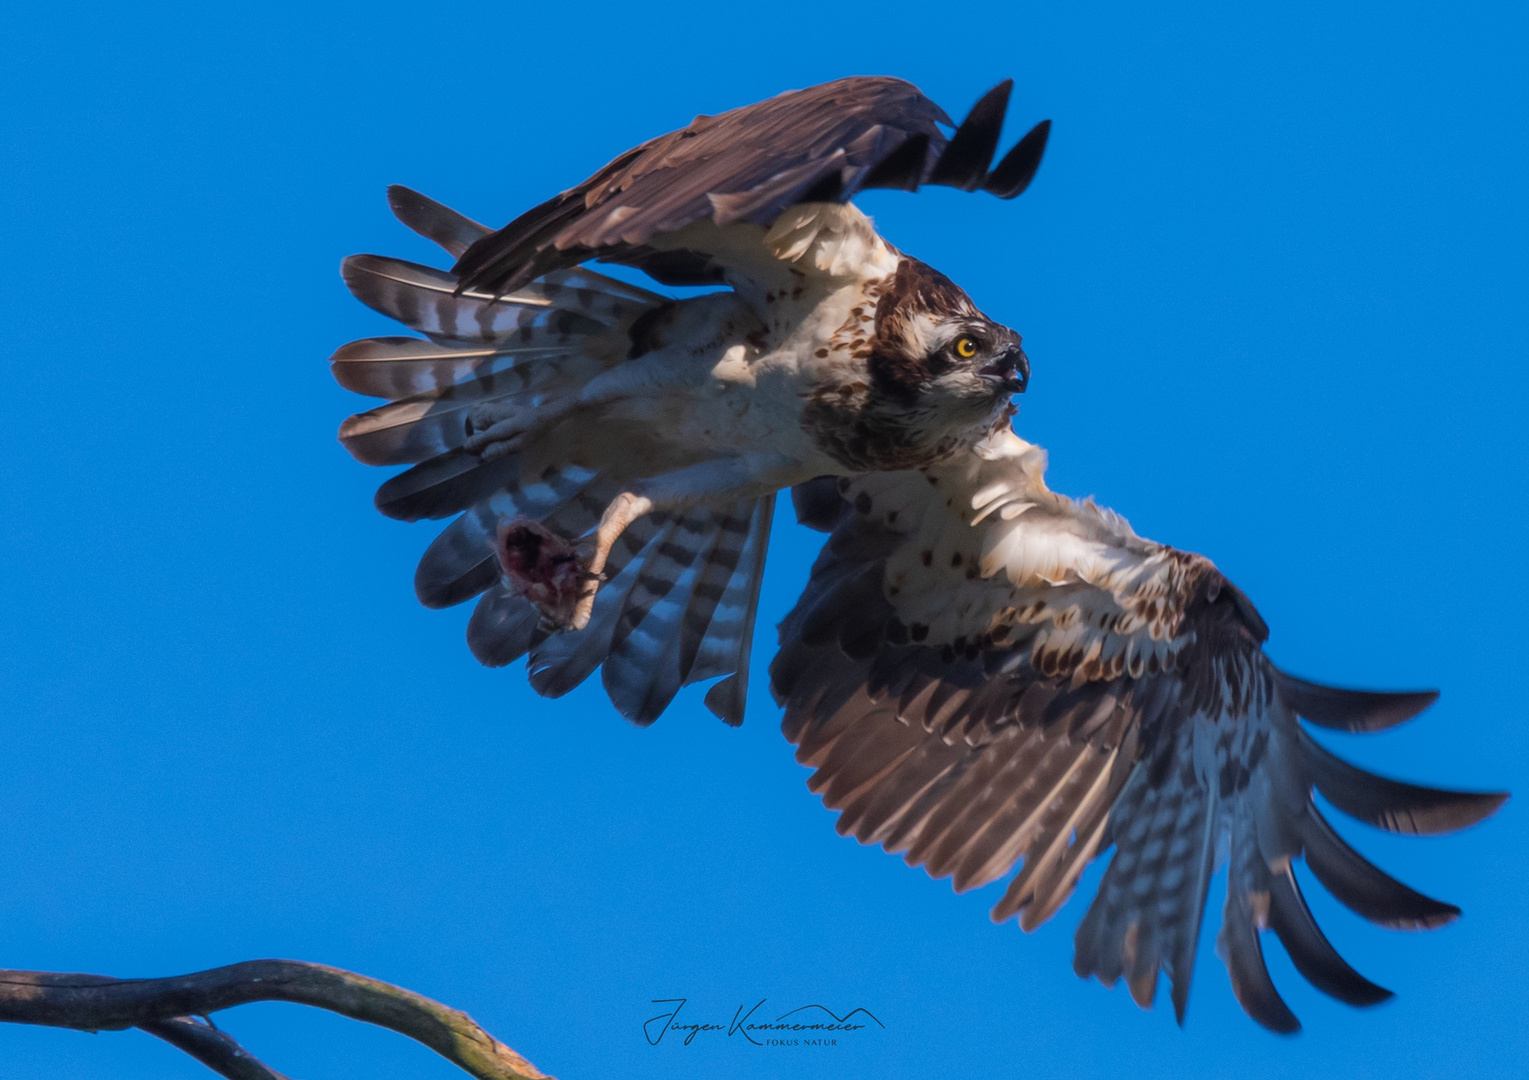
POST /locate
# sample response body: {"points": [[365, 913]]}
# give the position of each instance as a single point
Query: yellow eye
{"points": [[966, 346]]}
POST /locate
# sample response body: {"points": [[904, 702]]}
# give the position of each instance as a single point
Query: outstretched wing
{"points": [[987, 675], [822, 144], [679, 605]]}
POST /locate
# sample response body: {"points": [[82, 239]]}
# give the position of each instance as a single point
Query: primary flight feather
{"points": [[985, 676]]}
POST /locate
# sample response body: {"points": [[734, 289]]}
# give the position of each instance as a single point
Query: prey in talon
{"points": [[544, 568]]}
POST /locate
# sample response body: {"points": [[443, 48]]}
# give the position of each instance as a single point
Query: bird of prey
{"points": [[985, 676]]}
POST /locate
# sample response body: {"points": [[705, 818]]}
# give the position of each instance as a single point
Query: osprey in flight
{"points": [[983, 674]]}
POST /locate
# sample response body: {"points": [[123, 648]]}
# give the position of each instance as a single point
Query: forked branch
{"points": [[174, 1009]]}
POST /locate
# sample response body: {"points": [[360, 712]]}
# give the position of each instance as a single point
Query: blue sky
{"points": [[1271, 278]]}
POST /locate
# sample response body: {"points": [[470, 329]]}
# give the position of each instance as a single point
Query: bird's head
{"points": [[933, 350]]}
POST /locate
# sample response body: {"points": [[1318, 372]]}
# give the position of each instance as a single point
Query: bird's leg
{"points": [[623, 510], [727, 480], [503, 427]]}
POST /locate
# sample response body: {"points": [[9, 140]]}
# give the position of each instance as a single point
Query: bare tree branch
{"points": [[166, 1007], [218, 1051]]}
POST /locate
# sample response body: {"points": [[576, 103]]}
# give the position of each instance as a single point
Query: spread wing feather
{"points": [[988, 678], [453, 231], [515, 353], [821, 144], [406, 367], [679, 593], [679, 605], [724, 646], [426, 299], [677, 608]]}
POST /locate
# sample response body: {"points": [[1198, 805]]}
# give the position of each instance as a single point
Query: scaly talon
{"points": [[623, 510]]}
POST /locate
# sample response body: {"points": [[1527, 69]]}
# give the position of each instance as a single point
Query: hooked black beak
{"points": [[1011, 370]]}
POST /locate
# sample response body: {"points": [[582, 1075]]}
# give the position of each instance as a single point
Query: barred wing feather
{"points": [[678, 607], [748, 165], [986, 676]]}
